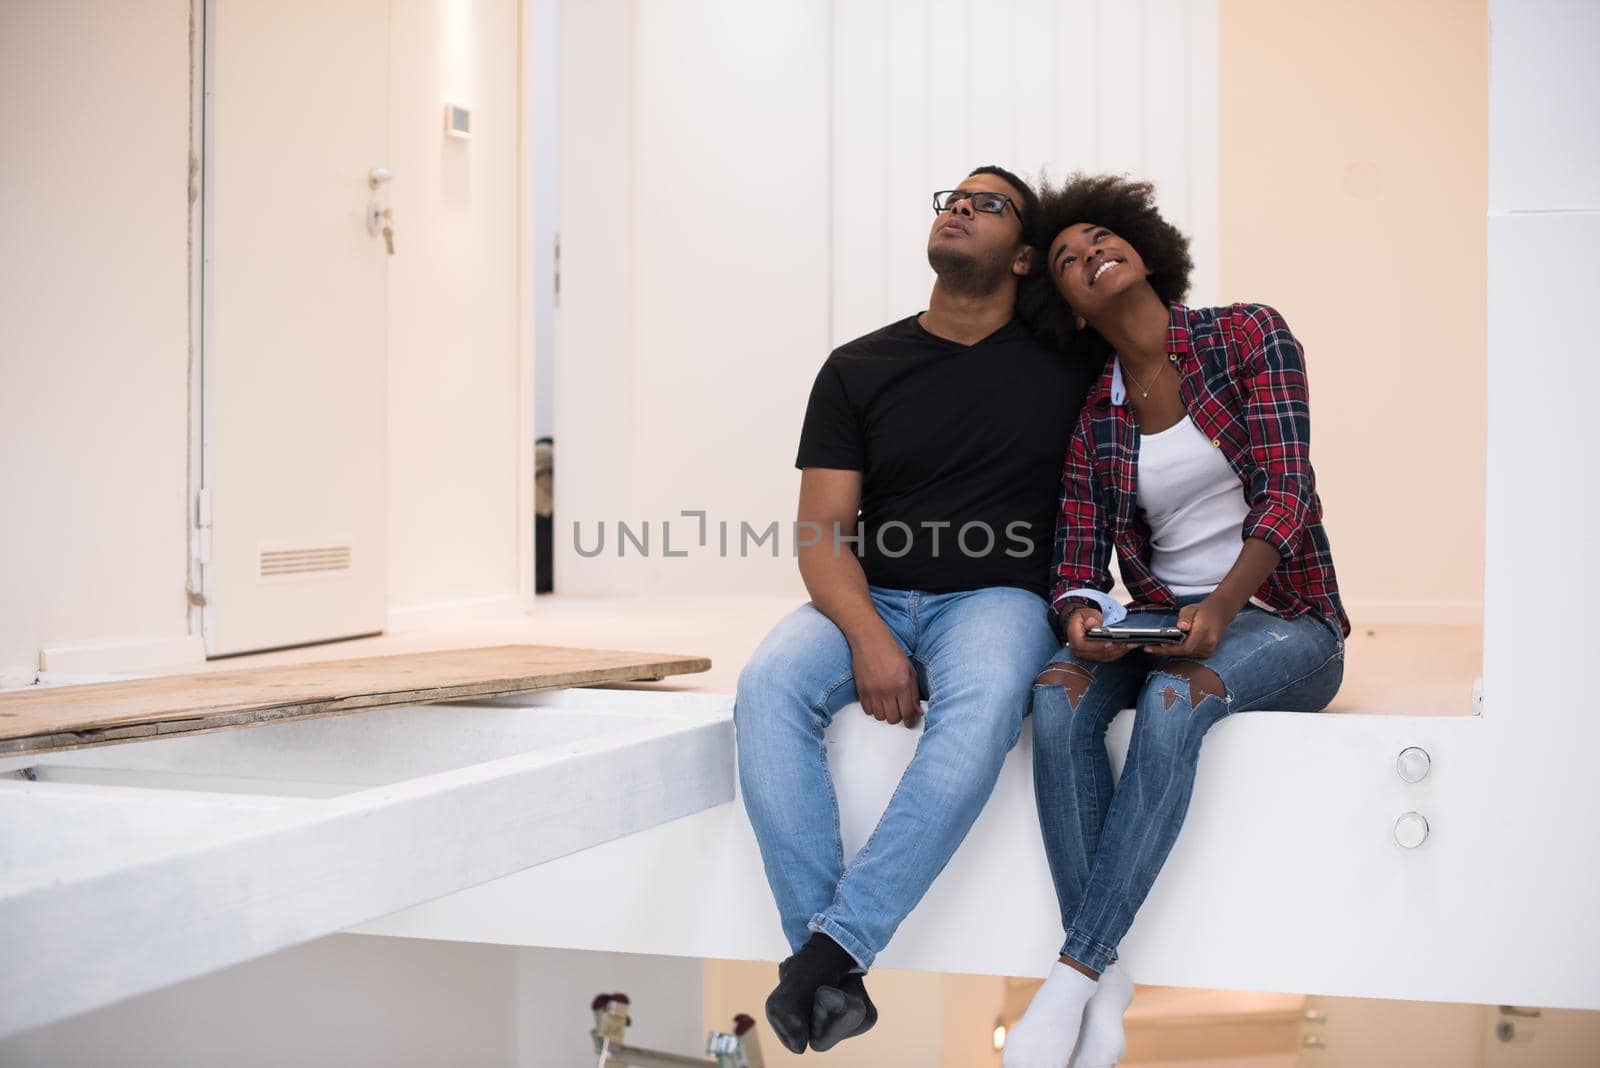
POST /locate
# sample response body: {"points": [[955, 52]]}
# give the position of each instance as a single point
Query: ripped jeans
{"points": [[1106, 843]]}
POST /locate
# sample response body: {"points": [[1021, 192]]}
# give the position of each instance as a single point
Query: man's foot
{"points": [[841, 1012], [820, 962]]}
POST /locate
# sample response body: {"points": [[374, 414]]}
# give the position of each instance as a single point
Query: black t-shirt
{"points": [[961, 450]]}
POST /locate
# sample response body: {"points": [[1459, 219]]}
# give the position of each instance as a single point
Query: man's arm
{"points": [[830, 501]]}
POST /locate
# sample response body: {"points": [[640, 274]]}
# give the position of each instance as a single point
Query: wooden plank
{"points": [[49, 718]]}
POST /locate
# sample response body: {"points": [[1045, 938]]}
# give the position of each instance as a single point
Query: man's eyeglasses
{"points": [[993, 203]]}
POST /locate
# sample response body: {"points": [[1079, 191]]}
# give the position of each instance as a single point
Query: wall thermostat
{"points": [[457, 121]]}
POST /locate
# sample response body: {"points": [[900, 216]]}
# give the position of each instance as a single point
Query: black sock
{"points": [[841, 1012], [820, 962], [855, 988]]}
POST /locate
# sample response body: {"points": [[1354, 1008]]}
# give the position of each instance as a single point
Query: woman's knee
{"points": [[1180, 701], [1068, 680], [1072, 705]]}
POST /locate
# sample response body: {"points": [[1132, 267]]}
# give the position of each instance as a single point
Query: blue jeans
{"points": [[1106, 843], [975, 654]]}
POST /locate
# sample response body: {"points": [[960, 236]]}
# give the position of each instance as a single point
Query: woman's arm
{"points": [[1082, 551], [1082, 554], [1277, 416]]}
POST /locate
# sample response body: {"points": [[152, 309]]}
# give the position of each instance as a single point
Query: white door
{"points": [[294, 384]]}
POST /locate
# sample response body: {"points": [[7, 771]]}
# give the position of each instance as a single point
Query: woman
{"points": [[1191, 458]]}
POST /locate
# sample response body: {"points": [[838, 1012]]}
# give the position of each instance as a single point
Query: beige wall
{"points": [[1354, 186], [94, 328], [94, 284]]}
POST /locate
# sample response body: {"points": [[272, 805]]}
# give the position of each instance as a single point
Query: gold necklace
{"points": [[1142, 391]]}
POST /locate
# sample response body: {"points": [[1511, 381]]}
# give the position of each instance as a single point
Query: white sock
{"points": [[1045, 1035], [1102, 1043]]}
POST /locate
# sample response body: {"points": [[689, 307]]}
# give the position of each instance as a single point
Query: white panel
{"points": [[861, 127], [1076, 73], [1203, 210], [130, 917], [907, 204], [1164, 126], [1542, 380], [731, 239], [121, 656], [595, 437], [459, 495], [1285, 877], [1119, 80], [94, 342], [1544, 372], [1537, 678], [1544, 87], [673, 309], [1035, 103], [991, 88], [949, 149], [342, 1000]]}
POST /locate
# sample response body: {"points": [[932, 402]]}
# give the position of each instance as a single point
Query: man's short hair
{"points": [[1030, 200]]}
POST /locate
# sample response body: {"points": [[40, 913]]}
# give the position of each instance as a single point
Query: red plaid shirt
{"points": [[1243, 382]]}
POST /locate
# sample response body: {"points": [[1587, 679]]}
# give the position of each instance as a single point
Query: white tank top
{"points": [[1195, 506]]}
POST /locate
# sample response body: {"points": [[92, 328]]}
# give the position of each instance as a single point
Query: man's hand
{"points": [[1086, 648], [886, 683], [1203, 625]]}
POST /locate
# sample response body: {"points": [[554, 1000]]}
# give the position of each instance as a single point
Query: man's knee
{"points": [[763, 682], [1072, 679]]}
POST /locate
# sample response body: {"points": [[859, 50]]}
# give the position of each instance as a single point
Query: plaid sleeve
{"points": [[1082, 543], [1278, 418]]}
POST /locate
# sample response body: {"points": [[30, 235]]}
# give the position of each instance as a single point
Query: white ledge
{"points": [[1286, 876], [195, 882]]}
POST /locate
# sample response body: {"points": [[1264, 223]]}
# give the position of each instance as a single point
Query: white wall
{"points": [[357, 1000], [460, 410], [596, 446], [694, 284], [94, 330], [746, 186], [344, 1000], [1544, 223], [94, 361], [924, 92]]}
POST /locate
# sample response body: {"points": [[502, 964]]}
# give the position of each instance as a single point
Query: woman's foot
{"points": [[1102, 1042], [841, 1012], [820, 962], [1045, 1035]]}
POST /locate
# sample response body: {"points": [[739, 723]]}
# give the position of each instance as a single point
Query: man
{"points": [[938, 442]]}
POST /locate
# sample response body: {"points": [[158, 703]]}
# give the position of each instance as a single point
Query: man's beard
{"points": [[961, 272]]}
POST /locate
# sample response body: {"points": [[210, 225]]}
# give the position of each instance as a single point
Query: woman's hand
{"points": [[1203, 625], [1084, 647], [886, 683]]}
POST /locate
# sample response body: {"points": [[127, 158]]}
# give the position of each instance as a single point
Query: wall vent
{"points": [[310, 562]]}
